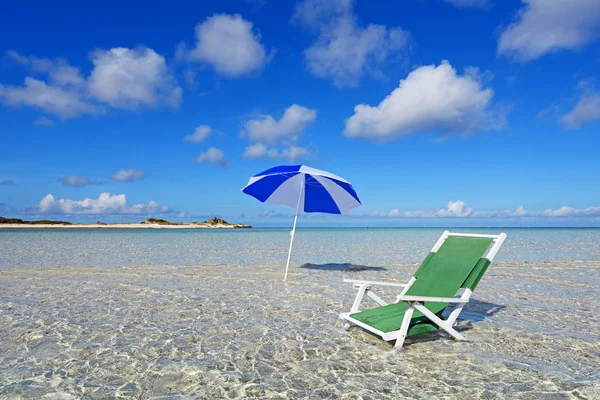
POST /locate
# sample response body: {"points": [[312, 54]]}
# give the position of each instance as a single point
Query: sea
{"points": [[204, 314], [110, 248]]}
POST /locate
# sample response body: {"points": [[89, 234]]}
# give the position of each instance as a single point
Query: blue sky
{"points": [[440, 112]]}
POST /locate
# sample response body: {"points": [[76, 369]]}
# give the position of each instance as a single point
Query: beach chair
{"points": [[455, 264]]}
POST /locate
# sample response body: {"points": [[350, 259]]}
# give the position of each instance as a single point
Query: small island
{"points": [[214, 222]]}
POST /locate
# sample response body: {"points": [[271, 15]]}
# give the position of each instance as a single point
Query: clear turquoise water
{"points": [[109, 248], [204, 314]]}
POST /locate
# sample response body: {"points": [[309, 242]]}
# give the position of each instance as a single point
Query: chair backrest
{"points": [[456, 261]]}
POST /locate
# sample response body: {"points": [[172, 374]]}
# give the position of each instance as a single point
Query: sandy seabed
{"points": [[223, 331]]}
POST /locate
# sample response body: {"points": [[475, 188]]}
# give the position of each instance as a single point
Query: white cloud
{"points": [[587, 108], [58, 69], [254, 151], [212, 156], [43, 121], [345, 51], [469, 3], [278, 138], [79, 181], [290, 152], [200, 133], [454, 209], [230, 45], [104, 204], [265, 129], [563, 211], [431, 98], [545, 26], [121, 78], [128, 175], [126, 78], [64, 102], [458, 209], [394, 213]]}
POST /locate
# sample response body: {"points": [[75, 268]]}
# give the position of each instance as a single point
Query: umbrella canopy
{"points": [[303, 188]]}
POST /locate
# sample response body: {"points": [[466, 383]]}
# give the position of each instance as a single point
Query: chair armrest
{"points": [[432, 299], [374, 283]]}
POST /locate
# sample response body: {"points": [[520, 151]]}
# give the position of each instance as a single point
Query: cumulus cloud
{"points": [[265, 129], [254, 151], [290, 152], [126, 78], [79, 181], [587, 108], [43, 122], [344, 51], [64, 102], [200, 133], [106, 203], [229, 44], [212, 156], [8, 183], [128, 175], [458, 209], [121, 78], [278, 138], [431, 98], [59, 71], [544, 26], [454, 209], [469, 3]]}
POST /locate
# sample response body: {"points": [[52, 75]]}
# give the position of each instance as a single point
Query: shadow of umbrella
{"points": [[341, 267]]}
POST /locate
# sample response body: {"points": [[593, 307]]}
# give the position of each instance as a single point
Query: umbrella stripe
{"points": [[314, 172], [344, 200], [263, 188], [320, 199], [281, 169], [288, 192], [346, 186]]}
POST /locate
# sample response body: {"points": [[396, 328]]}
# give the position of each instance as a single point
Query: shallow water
{"points": [[108, 248], [234, 330]]}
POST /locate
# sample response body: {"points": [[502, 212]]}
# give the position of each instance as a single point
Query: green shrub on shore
{"points": [[38, 222]]}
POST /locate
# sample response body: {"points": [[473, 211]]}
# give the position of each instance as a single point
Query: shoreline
{"points": [[124, 226]]}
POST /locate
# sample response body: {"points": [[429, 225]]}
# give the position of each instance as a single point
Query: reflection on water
{"points": [[225, 331]]}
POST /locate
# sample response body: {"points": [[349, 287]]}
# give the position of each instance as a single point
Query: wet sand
{"points": [[223, 331]]}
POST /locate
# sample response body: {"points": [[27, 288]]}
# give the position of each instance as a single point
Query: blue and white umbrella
{"points": [[303, 188]]}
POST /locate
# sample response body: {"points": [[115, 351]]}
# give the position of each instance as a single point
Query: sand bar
{"points": [[121, 226]]}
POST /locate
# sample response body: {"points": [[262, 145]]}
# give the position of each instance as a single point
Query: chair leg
{"points": [[445, 325], [359, 296], [456, 312], [404, 328]]}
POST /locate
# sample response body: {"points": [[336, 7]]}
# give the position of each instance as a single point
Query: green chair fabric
{"points": [[457, 263]]}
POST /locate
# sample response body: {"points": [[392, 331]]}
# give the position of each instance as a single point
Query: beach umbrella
{"points": [[303, 188]]}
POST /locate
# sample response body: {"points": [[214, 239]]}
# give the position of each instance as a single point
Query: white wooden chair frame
{"points": [[416, 302]]}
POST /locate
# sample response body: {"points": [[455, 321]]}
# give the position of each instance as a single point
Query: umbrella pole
{"points": [[292, 233]]}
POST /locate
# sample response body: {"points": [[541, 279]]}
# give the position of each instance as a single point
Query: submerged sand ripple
{"points": [[224, 331]]}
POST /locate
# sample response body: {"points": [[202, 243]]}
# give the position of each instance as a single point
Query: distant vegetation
{"points": [[210, 221], [38, 222], [161, 222], [158, 221]]}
